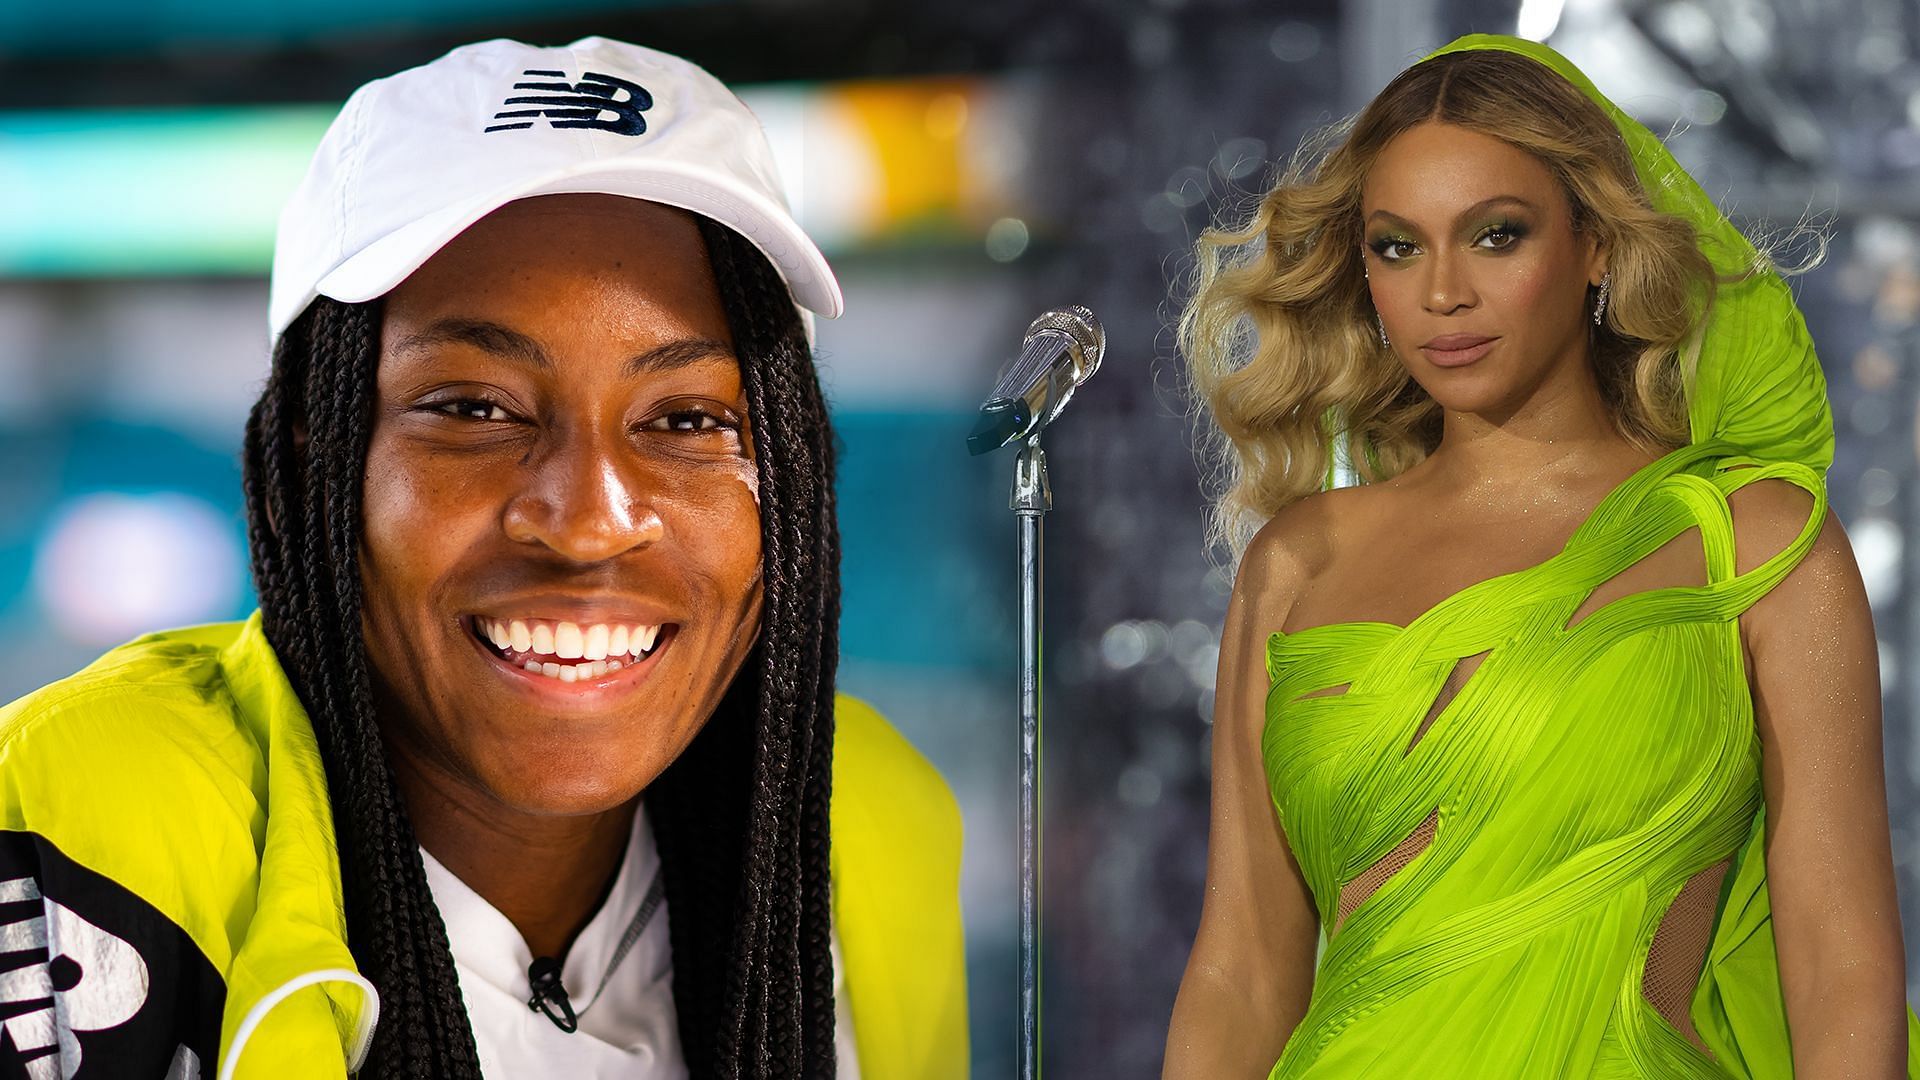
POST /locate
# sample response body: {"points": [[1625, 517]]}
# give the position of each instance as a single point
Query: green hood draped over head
{"points": [[1751, 374]]}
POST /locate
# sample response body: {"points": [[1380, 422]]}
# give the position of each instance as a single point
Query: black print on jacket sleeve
{"points": [[94, 983]]}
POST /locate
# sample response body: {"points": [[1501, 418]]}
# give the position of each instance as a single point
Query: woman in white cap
{"points": [[531, 762]]}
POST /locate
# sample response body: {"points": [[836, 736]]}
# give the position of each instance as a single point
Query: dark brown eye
{"points": [[1500, 237], [471, 409], [1389, 249], [690, 420]]}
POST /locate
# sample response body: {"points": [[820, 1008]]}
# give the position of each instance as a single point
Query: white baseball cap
{"points": [[415, 158]]}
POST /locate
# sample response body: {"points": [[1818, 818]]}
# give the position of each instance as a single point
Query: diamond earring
{"points": [[1600, 304], [1382, 324]]}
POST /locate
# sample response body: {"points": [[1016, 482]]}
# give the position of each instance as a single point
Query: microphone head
{"points": [[1061, 349], [1001, 421], [1078, 323]]}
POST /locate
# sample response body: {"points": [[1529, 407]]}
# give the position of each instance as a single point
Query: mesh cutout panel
{"points": [[1463, 670], [1354, 892], [1680, 947]]}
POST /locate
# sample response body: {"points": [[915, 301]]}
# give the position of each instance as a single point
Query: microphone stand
{"points": [[1031, 500], [1061, 349]]}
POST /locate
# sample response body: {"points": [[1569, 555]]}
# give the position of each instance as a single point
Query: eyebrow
{"points": [[509, 344], [1471, 211]]}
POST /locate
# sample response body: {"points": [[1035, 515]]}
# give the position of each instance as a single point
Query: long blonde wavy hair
{"points": [[1279, 339]]}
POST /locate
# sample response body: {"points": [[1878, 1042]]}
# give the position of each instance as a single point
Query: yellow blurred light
{"points": [[920, 169], [947, 116]]}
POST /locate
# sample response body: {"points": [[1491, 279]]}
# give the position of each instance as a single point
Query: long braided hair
{"points": [[740, 817]]}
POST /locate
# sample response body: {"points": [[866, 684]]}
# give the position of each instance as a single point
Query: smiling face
{"points": [[1474, 266], [561, 556]]}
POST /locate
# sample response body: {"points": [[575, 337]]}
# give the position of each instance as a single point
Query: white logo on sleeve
{"points": [[91, 981]]}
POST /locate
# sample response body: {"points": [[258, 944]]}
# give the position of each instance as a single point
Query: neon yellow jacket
{"points": [[170, 884]]}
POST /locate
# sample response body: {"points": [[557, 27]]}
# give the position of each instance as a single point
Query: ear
{"points": [[1599, 255]]}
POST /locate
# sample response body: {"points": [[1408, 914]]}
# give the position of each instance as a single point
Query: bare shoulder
{"points": [[1293, 546], [1822, 591], [1768, 514]]}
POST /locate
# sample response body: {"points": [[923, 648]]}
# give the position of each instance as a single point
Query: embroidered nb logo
{"points": [[596, 101]]}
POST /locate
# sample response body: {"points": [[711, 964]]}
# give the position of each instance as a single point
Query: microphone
{"points": [[1061, 350], [544, 975]]}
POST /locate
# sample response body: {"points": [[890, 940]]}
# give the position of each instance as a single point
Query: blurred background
{"points": [[965, 166]]}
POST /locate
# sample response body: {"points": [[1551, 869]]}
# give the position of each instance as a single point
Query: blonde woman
{"points": [[1552, 748]]}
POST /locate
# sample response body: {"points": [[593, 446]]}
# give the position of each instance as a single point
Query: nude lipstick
{"points": [[1457, 350]]}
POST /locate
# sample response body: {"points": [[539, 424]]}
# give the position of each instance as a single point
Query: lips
{"points": [[1454, 350]]}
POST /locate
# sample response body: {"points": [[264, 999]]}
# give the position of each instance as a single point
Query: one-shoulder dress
{"points": [[1537, 847]]}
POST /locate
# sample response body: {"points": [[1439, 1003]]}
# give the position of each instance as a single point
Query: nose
{"points": [[584, 499], [1448, 285]]}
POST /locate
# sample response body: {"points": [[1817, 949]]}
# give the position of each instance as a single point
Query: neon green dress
{"points": [[1494, 856]]}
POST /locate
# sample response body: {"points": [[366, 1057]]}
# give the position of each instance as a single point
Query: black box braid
{"points": [[740, 817]]}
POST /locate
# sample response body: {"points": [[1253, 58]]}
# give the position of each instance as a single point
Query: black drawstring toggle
{"points": [[544, 974]]}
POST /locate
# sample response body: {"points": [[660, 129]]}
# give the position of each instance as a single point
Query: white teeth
{"points": [[607, 644], [570, 672], [567, 643]]}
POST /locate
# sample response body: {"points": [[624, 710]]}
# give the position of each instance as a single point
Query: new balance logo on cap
{"points": [[578, 105]]}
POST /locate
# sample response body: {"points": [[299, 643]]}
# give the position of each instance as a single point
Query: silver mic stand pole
{"points": [[1031, 501], [1061, 350]]}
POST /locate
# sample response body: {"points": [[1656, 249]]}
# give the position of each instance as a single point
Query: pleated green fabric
{"points": [[1582, 773]]}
